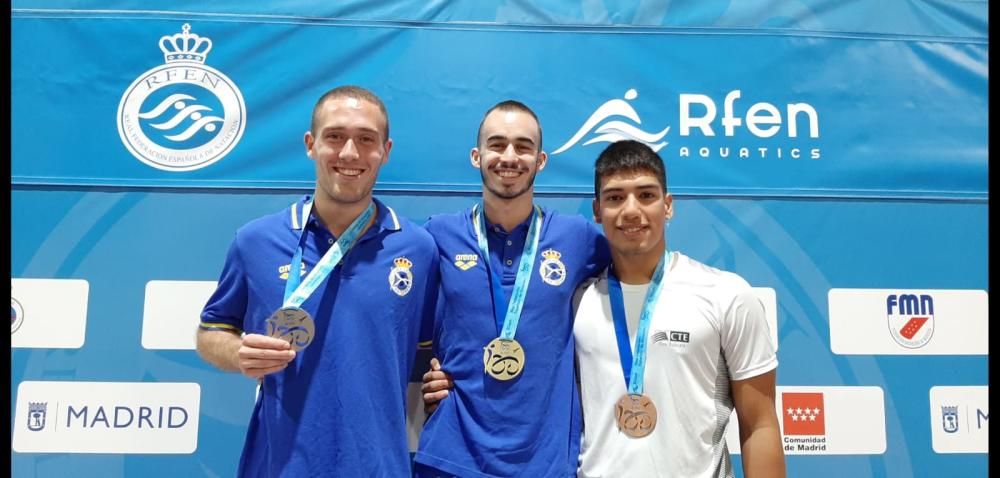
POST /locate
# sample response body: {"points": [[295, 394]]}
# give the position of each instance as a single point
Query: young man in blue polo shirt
{"points": [[335, 283], [504, 328]]}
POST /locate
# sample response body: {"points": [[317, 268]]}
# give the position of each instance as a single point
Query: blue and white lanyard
{"points": [[509, 325], [296, 293], [634, 365]]}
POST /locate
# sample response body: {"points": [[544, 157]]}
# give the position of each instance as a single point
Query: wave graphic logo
{"points": [[182, 115], [616, 130]]}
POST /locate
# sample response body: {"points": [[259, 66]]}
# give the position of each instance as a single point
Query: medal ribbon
{"points": [[509, 325], [296, 293], [634, 365]]}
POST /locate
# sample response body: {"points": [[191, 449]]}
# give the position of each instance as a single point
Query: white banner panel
{"points": [[171, 313], [106, 417], [960, 419], [909, 322], [826, 421], [48, 313]]}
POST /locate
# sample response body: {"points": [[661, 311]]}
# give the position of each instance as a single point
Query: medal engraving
{"points": [[636, 415], [292, 324], [503, 359]]}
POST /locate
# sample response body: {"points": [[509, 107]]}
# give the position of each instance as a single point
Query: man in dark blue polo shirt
{"points": [[504, 327], [335, 283]]}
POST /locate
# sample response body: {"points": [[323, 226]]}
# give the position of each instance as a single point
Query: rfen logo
{"points": [[909, 322], [696, 117], [106, 417], [826, 421], [960, 419], [38, 321]]}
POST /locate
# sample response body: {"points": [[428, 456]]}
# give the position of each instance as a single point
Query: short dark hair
{"points": [[351, 91], [509, 105], [628, 156]]}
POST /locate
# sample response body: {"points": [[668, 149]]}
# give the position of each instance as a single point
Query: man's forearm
{"points": [[220, 348], [762, 455]]}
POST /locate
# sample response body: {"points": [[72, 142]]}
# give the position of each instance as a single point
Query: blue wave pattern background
{"points": [[899, 88]]}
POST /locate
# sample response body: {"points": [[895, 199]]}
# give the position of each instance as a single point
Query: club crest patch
{"points": [[552, 269], [400, 277]]}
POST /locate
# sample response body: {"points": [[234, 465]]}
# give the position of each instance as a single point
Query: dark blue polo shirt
{"points": [[521, 427], [339, 409]]}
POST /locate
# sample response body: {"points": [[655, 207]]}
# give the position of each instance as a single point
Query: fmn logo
{"points": [[183, 115], [911, 319]]}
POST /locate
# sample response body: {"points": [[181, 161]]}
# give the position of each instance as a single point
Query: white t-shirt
{"points": [[707, 328]]}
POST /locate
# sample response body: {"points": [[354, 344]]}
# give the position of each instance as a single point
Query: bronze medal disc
{"points": [[636, 415], [503, 359], [292, 324]]}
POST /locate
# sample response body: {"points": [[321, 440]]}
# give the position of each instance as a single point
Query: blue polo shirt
{"points": [[339, 408], [520, 427]]}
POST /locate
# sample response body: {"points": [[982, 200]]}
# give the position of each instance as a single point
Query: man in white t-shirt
{"points": [[661, 407]]}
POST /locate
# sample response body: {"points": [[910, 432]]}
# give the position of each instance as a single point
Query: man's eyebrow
{"points": [[519, 139]]}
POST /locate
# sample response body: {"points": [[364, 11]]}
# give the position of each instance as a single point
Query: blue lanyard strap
{"points": [[508, 326], [296, 293], [634, 365]]}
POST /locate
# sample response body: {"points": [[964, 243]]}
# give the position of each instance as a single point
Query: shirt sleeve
{"points": [[429, 310], [746, 337], [600, 257], [227, 306]]}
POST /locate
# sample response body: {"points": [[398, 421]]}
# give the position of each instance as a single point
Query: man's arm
{"points": [[253, 355], [760, 437]]}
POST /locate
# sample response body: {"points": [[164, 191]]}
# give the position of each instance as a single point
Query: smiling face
{"points": [[508, 155], [348, 145], [632, 207]]}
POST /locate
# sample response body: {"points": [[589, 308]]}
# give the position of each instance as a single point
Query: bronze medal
{"points": [[503, 359], [292, 324], [636, 415]]}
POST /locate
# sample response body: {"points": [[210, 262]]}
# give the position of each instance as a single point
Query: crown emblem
{"points": [[37, 406], [185, 46], [551, 254], [403, 263]]}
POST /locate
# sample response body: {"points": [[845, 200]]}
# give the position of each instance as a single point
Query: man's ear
{"points": [[475, 158]]}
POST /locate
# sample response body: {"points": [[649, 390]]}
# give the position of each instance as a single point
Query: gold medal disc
{"points": [[503, 359], [636, 415]]}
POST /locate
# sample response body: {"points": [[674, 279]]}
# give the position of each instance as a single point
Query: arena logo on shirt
{"points": [[106, 417], [697, 115], [466, 261], [911, 319], [283, 271], [182, 115]]}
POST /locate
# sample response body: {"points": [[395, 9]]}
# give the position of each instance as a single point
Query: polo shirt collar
{"points": [[385, 217]]}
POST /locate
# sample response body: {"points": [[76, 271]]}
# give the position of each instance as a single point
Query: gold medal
{"points": [[292, 324], [503, 359], [636, 415]]}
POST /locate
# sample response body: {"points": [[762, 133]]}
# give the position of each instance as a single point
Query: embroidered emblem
{"points": [[466, 261], [552, 270], [400, 277]]}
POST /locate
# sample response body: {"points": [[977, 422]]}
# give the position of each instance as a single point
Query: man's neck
{"points": [[636, 269], [508, 213], [337, 217]]}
